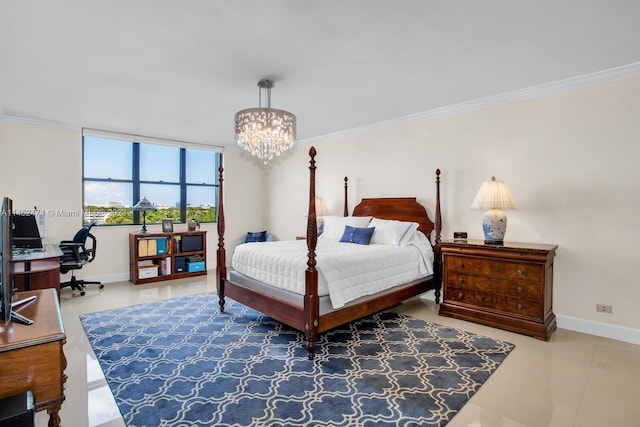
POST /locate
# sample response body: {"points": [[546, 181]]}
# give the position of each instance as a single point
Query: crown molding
{"points": [[23, 121], [533, 92], [45, 124]]}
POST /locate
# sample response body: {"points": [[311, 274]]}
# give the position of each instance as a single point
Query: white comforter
{"points": [[346, 271]]}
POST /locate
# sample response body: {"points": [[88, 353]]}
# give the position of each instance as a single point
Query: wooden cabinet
{"points": [[31, 356], [506, 286], [154, 257]]}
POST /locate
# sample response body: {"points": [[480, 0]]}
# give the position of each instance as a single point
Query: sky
{"points": [[108, 158]]}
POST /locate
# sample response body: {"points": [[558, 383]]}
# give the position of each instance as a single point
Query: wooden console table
{"points": [[31, 356]]}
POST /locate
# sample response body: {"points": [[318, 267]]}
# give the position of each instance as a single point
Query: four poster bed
{"points": [[304, 299]]}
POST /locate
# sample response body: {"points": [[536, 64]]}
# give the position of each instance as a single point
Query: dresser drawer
{"points": [[524, 307], [494, 268], [508, 305], [489, 300], [527, 290], [460, 295]]}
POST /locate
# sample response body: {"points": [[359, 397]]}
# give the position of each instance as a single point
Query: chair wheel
{"points": [[81, 293], [101, 287]]}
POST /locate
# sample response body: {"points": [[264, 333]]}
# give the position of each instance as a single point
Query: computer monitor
{"points": [[25, 232], [6, 265], [6, 269]]}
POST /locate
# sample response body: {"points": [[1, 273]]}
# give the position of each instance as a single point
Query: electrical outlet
{"points": [[604, 308]]}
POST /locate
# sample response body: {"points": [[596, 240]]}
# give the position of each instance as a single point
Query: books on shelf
{"points": [[153, 246], [162, 256], [165, 266]]}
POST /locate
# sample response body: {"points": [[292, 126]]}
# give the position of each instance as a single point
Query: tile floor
{"points": [[574, 380]]}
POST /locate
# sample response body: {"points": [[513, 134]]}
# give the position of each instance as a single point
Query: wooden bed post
{"points": [[221, 268], [437, 265], [311, 302], [346, 201]]}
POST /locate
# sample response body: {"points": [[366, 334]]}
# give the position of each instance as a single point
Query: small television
{"points": [[7, 304], [25, 232], [6, 276]]}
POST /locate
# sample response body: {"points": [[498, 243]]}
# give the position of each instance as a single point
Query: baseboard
{"points": [[604, 330], [119, 277], [107, 278]]}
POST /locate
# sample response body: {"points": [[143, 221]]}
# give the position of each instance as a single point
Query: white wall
{"points": [[570, 161], [244, 198], [43, 167]]}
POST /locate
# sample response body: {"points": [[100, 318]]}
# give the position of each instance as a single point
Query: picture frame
{"points": [[167, 226]]}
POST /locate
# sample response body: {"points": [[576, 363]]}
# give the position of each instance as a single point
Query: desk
{"points": [[31, 357], [37, 269]]}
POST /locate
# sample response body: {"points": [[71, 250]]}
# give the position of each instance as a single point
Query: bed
{"points": [[305, 298]]}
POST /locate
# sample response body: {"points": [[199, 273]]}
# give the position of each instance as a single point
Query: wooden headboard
{"points": [[401, 209], [398, 208]]}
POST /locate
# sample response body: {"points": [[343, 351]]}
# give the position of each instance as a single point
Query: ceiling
{"points": [[181, 69]]}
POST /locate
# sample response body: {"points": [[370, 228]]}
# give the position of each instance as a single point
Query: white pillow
{"points": [[418, 237], [334, 225], [392, 232]]}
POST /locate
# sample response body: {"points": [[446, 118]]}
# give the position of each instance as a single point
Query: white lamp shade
{"points": [[493, 195], [321, 207]]}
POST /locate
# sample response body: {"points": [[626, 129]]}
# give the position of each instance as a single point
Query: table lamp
{"points": [[494, 195], [321, 211], [143, 206]]}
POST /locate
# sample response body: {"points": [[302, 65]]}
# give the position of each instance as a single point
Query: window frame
{"points": [[135, 182]]}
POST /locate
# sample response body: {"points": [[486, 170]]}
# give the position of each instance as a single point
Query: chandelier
{"points": [[265, 132]]}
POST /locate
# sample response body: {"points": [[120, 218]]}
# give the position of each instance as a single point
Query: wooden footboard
{"points": [[307, 318]]}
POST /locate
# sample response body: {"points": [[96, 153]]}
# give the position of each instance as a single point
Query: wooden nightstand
{"points": [[506, 286]]}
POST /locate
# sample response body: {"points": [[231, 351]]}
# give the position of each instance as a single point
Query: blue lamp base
{"points": [[494, 226]]}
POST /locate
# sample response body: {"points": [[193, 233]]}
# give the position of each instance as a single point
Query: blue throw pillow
{"points": [[361, 236], [259, 236]]}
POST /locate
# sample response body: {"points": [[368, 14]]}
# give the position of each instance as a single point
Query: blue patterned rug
{"points": [[180, 362]]}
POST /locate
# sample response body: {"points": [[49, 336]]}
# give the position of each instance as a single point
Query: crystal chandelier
{"points": [[265, 132]]}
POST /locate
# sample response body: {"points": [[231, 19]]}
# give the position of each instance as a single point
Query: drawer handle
{"points": [[520, 272], [519, 289], [461, 280], [519, 306], [460, 295], [461, 264]]}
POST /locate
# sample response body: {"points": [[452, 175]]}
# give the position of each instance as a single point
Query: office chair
{"points": [[75, 254]]}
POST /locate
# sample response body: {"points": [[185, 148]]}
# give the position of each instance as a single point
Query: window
{"points": [[118, 171]]}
